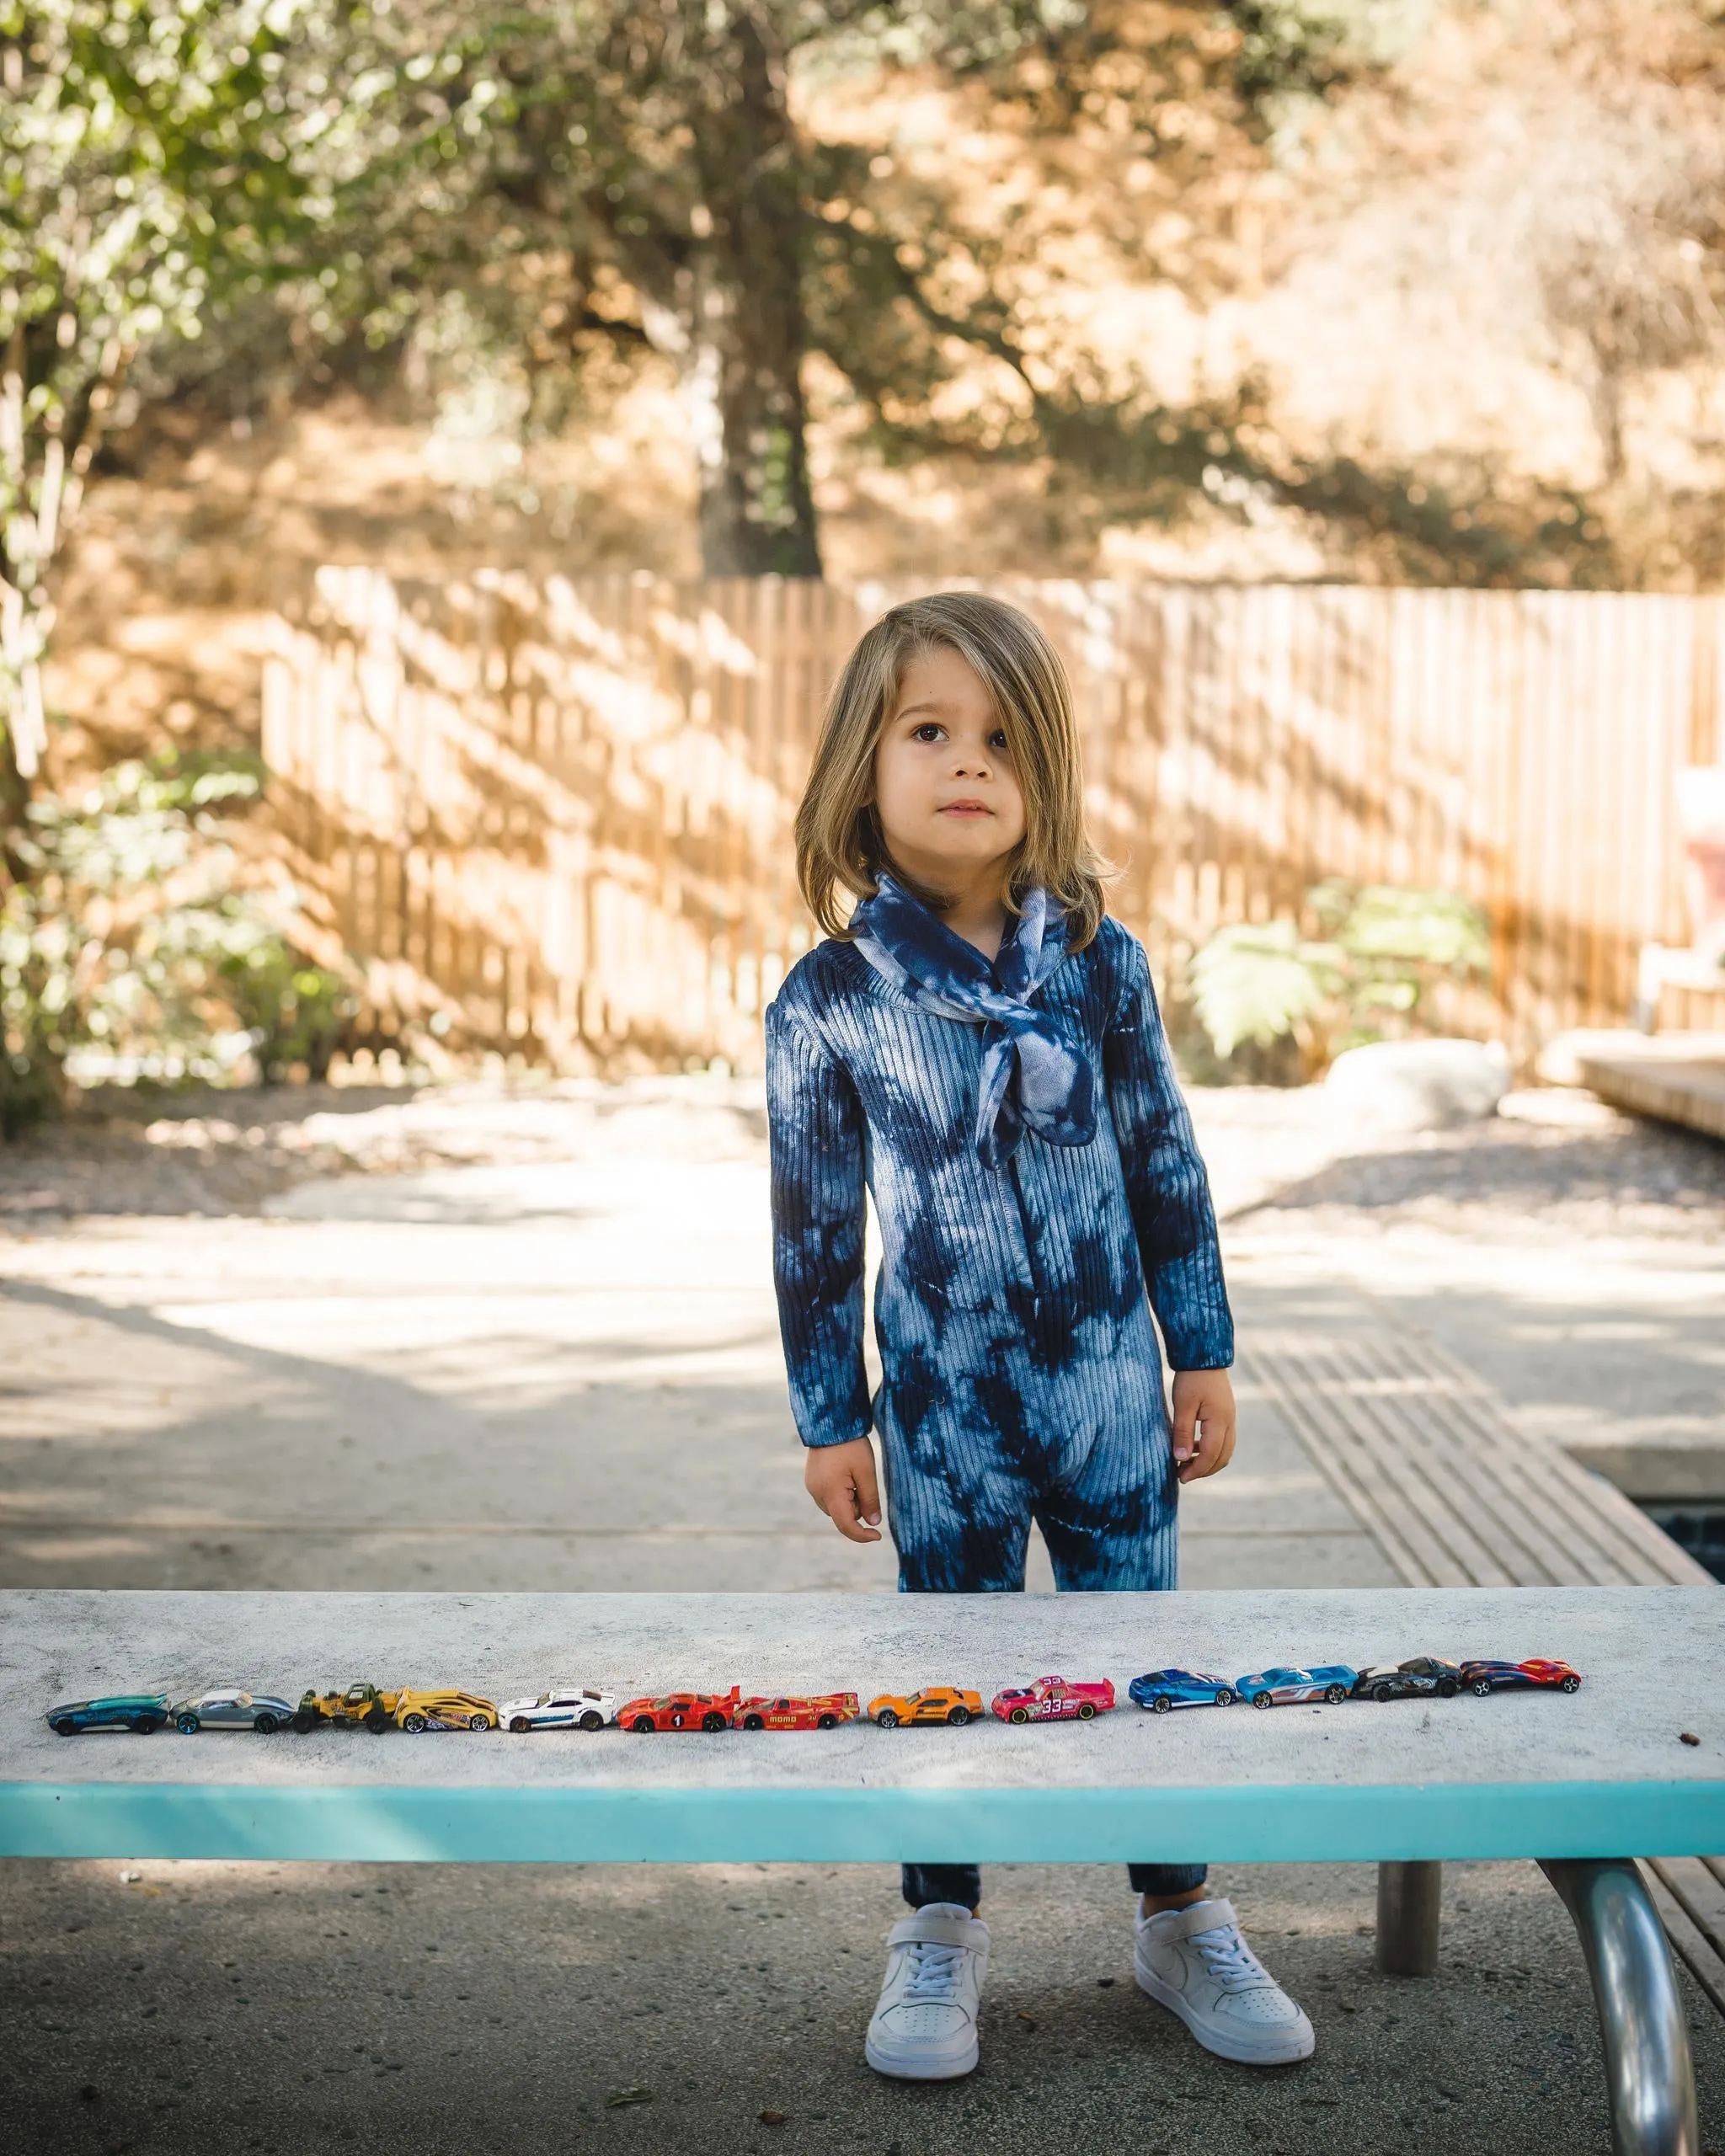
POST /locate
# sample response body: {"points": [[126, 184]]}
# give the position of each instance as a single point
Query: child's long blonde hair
{"points": [[839, 844]]}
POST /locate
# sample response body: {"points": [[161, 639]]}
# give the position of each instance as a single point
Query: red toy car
{"points": [[1485, 1678], [1052, 1698], [825, 1710], [708, 1710]]}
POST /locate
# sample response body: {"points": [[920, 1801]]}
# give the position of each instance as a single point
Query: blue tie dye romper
{"points": [[1033, 1171]]}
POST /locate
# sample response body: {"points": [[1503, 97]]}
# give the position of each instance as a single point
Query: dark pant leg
{"points": [[924, 1883], [1114, 1526], [1165, 1878], [955, 1535]]}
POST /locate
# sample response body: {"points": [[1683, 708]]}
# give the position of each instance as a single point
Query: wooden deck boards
{"points": [[1434, 1465], [1673, 1077], [1431, 1462]]}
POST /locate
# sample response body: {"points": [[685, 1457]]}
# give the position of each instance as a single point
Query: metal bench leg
{"points": [[1648, 2074], [1410, 1903]]}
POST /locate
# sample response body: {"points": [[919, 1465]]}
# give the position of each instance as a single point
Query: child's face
{"points": [[945, 791]]}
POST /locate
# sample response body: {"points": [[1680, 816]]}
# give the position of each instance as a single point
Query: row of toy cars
{"points": [[570, 1706], [1424, 1676]]}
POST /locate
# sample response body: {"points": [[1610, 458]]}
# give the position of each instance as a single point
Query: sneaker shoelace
{"points": [[934, 1972], [1230, 1959]]}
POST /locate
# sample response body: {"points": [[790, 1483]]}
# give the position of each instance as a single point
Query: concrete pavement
{"points": [[565, 1376]]}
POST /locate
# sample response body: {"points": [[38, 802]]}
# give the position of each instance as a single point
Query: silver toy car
{"points": [[232, 1711], [566, 1707]]}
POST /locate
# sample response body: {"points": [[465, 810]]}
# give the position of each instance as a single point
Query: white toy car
{"points": [[567, 1706]]}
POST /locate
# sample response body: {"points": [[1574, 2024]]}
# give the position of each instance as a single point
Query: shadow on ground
{"points": [[206, 2009], [1631, 1176]]}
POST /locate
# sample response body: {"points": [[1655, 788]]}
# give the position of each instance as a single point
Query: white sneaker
{"points": [[925, 2023], [1194, 1961]]}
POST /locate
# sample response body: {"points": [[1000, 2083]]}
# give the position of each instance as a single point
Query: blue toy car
{"points": [[140, 1712], [1285, 1688], [1161, 1689]]}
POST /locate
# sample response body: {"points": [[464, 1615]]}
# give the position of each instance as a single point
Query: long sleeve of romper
{"points": [[1166, 1184], [815, 1125]]}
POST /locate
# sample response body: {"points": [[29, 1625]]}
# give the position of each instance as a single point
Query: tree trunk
{"points": [[746, 329]]}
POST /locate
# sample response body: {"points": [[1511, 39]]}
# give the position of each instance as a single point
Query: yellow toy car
{"points": [[933, 1703], [418, 1712], [361, 1706]]}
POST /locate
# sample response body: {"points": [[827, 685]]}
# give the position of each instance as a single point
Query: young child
{"points": [[978, 1045]]}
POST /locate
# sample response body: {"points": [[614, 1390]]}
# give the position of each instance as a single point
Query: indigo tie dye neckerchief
{"points": [[1031, 1073]]}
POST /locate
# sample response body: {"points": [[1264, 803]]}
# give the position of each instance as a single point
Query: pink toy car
{"points": [[1052, 1698]]}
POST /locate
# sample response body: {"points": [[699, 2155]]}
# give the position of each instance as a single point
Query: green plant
{"points": [[130, 948], [1378, 950]]}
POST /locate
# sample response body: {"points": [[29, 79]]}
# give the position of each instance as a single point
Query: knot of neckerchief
{"points": [[1031, 1073]]}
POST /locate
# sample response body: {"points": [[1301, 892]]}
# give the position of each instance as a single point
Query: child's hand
{"points": [[1204, 1423], [840, 1479]]}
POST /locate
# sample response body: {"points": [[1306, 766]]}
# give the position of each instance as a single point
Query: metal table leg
{"points": [[1648, 2074], [1410, 1903]]}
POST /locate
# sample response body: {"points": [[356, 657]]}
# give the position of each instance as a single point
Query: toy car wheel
{"points": [[1263, 1700], [1019, 1714], [711, 1721], [414, 1724], [1482, 1687], [1087, 1711], [65, 1726], [376, 1722], [1446, 1688], [305, 1722], [1383, 1693], [519, 1725], [643, 1724], [754, 1722], [479, 1721], [958, 1716], [187, 1725], [1224, 1698], [266, 1725], [887, 1718], [1570, 1684], [826, 1721], [1161, 1703], [145, 1727], [1335, 1693], [592, 1720]]}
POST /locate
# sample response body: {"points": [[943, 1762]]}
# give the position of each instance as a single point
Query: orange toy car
{"points": [[825, 1710], [933, 1703], [708, 1710]]}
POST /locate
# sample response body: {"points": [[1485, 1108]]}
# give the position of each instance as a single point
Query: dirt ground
{"points": [[1554, 1162]]}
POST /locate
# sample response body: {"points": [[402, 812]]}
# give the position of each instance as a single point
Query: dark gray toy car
{"points": [[1425, 1675]]}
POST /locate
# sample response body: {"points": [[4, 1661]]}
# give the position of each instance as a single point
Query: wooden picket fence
{"points": [[555, 816]]}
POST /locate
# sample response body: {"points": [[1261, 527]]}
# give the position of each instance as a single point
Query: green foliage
{"points": [[131, 948], [155, 157], [1379, 950], [293, 1013], [1258, 983]]}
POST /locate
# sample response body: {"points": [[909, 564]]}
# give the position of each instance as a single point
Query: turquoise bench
{"points": [[1580, 1784]]}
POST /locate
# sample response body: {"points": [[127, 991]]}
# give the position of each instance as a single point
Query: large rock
{"points": [[1409, 1085]]}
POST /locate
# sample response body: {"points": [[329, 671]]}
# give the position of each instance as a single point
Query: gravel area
{"points": [[1553, 1162], [227, 1153], [407, 2010]]}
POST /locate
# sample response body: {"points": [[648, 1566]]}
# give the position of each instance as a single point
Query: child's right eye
{"points": [[928, 731]]}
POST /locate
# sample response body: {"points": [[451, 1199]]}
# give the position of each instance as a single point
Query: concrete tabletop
{"points": [[1602, 1772]]}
